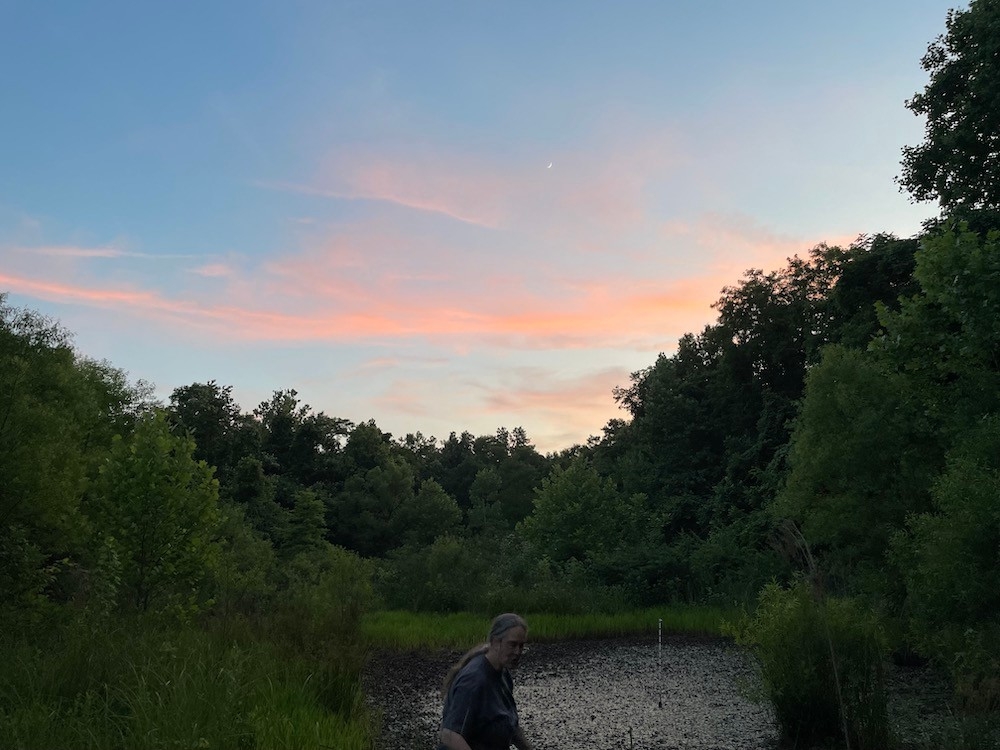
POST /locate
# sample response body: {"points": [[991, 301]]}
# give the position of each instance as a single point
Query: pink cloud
{"points": [[557, 411], [555, 408], [585, 187], [402, 186], [376, 285]]}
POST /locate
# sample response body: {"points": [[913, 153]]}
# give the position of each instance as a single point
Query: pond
{"points": [[621, 693]]}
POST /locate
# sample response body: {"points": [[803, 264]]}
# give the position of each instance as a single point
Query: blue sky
{"points": [[355, 199]]}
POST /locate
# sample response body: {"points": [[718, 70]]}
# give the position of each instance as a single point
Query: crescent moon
{"points": [[550, 166]]}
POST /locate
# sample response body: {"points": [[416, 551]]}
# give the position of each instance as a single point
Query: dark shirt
{"points": [[480, 706]]}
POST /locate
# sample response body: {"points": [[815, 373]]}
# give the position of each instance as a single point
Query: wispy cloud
{"points": [[378, 285], [541, 400], [69, 251], [384, 184]]}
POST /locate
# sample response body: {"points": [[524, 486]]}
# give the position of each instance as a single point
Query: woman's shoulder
{"points": [[475, 670]]}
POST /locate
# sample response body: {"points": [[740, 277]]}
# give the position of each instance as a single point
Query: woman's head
{"points": [[507, 636], [504, 646], [502, 623]]}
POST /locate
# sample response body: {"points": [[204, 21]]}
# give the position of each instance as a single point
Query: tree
{"points": [[861, 457], [950, 558], [425, 516], [880, 271], [485, 517], [580, 515], [159, 507], [958, 162], [221, 432], [361, 516], [946, 338]]}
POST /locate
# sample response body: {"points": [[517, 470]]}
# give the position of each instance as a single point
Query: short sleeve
{"points": [[461, 706]]}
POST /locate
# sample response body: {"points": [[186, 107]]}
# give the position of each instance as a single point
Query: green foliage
{"points": [[821, 666], [306, 528], [58, 412], [958, 162], [43, 463], [242, 580], [486, 514], [450, 575], [735, 561], [861, 458], [158, 507], [406, 630], [950, 558], [362, 514], [880, 271], [221, 432], [570, 588], [326, 590], [580, 515], [945, 338], [425, 516], [134, 684]]}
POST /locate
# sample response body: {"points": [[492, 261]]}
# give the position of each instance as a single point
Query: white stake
{"points": [[659, 657]]}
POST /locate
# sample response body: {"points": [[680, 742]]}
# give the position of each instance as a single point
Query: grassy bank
{"points": [[129, 685], [411, 630]]}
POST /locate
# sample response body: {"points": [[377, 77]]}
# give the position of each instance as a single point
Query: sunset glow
{"points": [[441, 220]]}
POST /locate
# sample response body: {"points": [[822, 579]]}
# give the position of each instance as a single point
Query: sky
{"points": [[442, 216]]}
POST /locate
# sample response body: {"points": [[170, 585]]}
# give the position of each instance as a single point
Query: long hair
{"points": [[500, 625]]}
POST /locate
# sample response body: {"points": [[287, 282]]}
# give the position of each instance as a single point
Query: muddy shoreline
{"points": [[599, 693], [623, 693]]}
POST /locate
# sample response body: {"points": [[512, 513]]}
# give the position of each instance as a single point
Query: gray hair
{"points": [[500, 625]]}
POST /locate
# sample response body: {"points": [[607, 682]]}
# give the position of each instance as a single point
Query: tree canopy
{"points": [[958, 162]]}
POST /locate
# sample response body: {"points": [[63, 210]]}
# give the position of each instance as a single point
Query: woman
{"points": [[479, 709]]}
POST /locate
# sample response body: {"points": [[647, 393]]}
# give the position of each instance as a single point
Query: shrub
{"points": [[318, 616], [821, 666], [448, 576]]}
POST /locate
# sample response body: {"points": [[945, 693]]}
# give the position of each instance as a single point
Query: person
{"points": [[479, 709]]}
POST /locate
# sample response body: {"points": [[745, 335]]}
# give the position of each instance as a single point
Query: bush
{"points": [[951, 560], [451, 575], [135, 684], [318, 615], [821, 666]]}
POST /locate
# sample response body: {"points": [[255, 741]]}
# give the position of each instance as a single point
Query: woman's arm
{"points": [[453, 740]]}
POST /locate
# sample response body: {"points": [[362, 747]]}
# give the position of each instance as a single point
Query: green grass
{"points": [[410, 630], [134, 687]]}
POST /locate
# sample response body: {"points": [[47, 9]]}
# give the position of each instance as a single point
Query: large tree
{"points": [[958, 162]]}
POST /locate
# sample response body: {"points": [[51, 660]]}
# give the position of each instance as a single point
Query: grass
{"points": [[402, 631], [133, 687], [136, 685]]}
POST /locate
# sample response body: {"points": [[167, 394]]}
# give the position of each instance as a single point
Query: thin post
{"points": [[659, 657]]}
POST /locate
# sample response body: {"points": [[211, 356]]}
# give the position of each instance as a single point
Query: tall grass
{"points": [[821, 663], [409, 630], [140, 687]]}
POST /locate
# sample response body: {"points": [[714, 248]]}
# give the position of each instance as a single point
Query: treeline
{"points": [[197, 503], [853, 391]]}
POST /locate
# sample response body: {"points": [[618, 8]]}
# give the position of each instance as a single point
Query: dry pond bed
{"points": [[620, 693]]}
